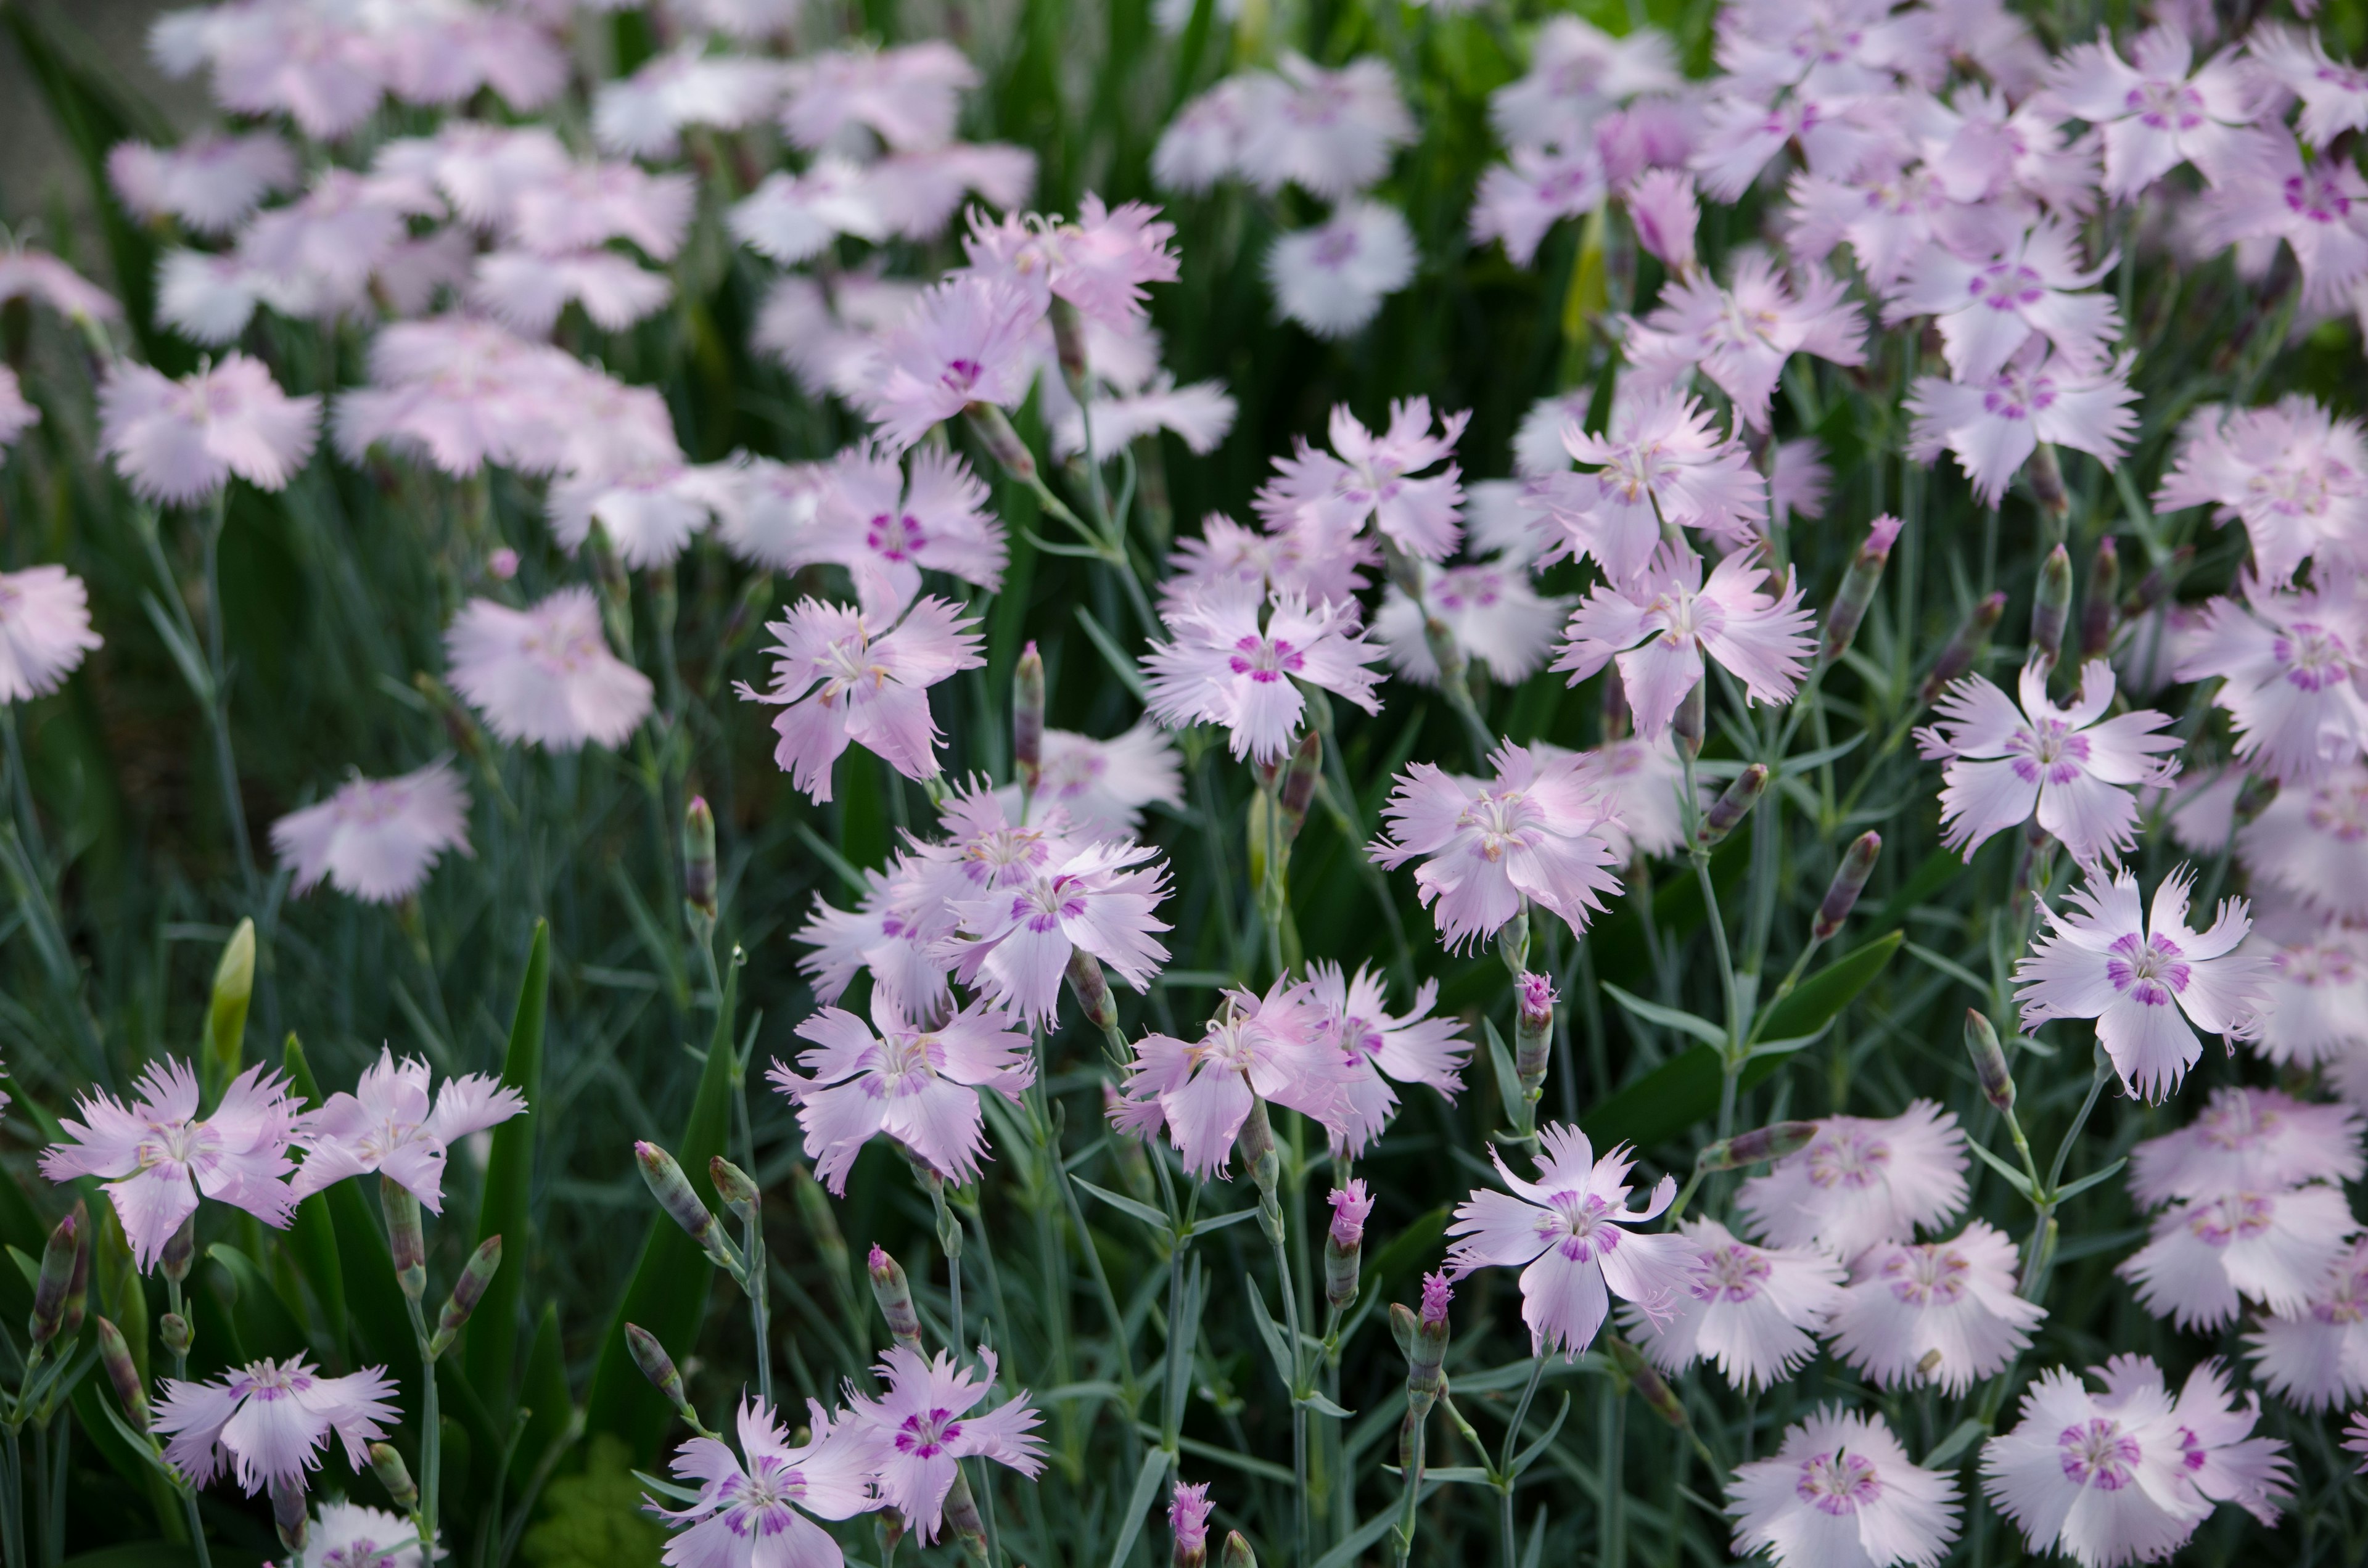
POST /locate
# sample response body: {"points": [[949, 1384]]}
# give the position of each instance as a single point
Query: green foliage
{"points": [[595, 1519]]}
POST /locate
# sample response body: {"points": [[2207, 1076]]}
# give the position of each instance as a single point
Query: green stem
{"points": [[1505, 1476], [428, 1518], [1614, 1520]]}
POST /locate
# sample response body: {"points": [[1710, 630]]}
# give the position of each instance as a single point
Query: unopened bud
{"points": [[1734, 804], [476, 1276], [226, 1011], [124, 1374], [894, 1294], [2097, 606], [1423, 1336], [1003, 444], [288, 1510], [2048, 493], [1646, 1380], [1299, 784], [1256, 1141], [2157, 584], [2051, 606], [1343, 1243], [394, 1475], [1533, 1021], [1237, 1552], [404, 1238], [699, 880], [658, 1367], [1091, 988], [822, 1225], [1989, 1060], [1692, 721], [180, 1251], [1028, 718], [1964, 647], [173, 1330], [1858, 584], [78, 1283], [737, 1189], [56, 1272], [1850, 881], [1069, 345], [1772, 1142], [681, 1201], [962, 1514]]}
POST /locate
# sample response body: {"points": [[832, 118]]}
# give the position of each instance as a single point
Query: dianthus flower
{"points": [[1641, 782], [2312, 841], [2333, 94], [1224, 668], [907, 96], [1577, 72], [925, 1428], [2318, 208], [1316, 557], [267, 1422], [1861, 1181], [2318, 1354], [966, 340], [844, 680], [1994, 423], [44, 631], [1256, 1047], [2269, 1247], [209, 183], [377, 838], [886, 526], [1103, 785], [2295, 474], [1332, 278], [1493, 610], [1660, 460], [2317, 1000], [526, 292], [1377, 477], [1098, 262], [1740, 337], [1952, 1303], [915, 1082], [2290, 663], [387, 1125], [895, 934], [544, 674], [1840, 1491], [754, 1512], [1520, 201], [37, 276], [1352, 1017], [1663, 626], [2158, 109], [1329, 132], [1199, 415], [1750, 1309], [177, 441], [643, 115], [1188, 1521], [1988, 310], [2260, 1140], [1016, 941]]}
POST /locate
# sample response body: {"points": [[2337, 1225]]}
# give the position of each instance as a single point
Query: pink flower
{"points": [[794, 217], [1892, 217], [2312, 841], [1224, 667], [1741, 337], [178, 442], [2259, 1139], [377, 838], [1103, 785], [2143, 978], [584, 206], [387, 1125], [1660, 460], [270, 1421], [648, 509], [2317, 1355], [1538, 832], [754, 1513], [1641, 783], [908, 97], [1577, 72], [1519, 202], [1316, 556], [1352, 1017], [1329, 132], [2272, 1248], [1199, 415], [44, 631], [1861, 1182], [2334, 96], [914, 1082], [2159, 110], [2296, 475], [526, 292], [967, 340], [543, 675], [1374, 478], [1202, 144], [895, 934], [1995, 424], [1908, 1300], [916, 192], [1351, 1206], [2224, 1461], [642, 116], [844, 681], [1256, 1047], [210, 183], [2073, 768], [1188, 1521], [1569, 1228], [156, 1156], [1988, 310], [2320, 210], [39, 275], [2100, 1478], [347, 1534], [1661, 626], [1752, 1310], [1099, 263], [1491, 608], [1016, 941], [925, 1429], [2290, 664], [2316, 1011], [1332, 278], [886, 527], [1663, 207], [1840, 1491]]}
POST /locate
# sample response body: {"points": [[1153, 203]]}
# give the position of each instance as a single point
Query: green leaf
{"points": [[1372, 1530], [2015, 1178], [311, 1238], [1527, 1457], [491, 1353], [1318, 1402], [1668, 1018], [1965, 1434], [1120, 665], [1819, 1000], [1142, 1212], [1271, 1333], [1949, 967], [549, 1408], [1508, 1077], [266, 1326], [1146, 1492], [2074, 1189]]}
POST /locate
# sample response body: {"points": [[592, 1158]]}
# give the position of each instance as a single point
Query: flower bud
{"points": [[1091, 988], [476, 1276], [2097, 606], [1237, 1552], [1423, 1336], [1989, 1060], [962, 1518], [1003, 444], [1299, 784], [174, 1331], [679, 1199], [288, 1510], [1964, 648], [180, 1251], [2048, 493], [394, 1475], [894, 1294], [1188, 1521], [1734, 804], [1692, 720], [502, 564], [698, 857], [658, 1367], [1772, 1142], [1069, 345], [78, 1282], [1532, 1031], [1343, 1243], [2157, 584], [226, 1012], [405, 1239], [736, 1187], [58, 1259], [1646, 1380], [822, 1225], [2051, 606], [1027, 719], [1256, 1141], [124, 1374], [1850, 881], [1856, 593]]}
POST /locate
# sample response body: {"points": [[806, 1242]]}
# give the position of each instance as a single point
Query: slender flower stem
{"points": [[1733, 1055], [431, 1432], [1302, 1522], [1505, 1476], [1612, 1520]]}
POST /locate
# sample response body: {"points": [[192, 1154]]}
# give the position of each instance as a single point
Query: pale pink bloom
{"points": [[642, 116], [925, 1429], [794, 217], [1840, 1491], [896, 934], [1332, 278], [1099, 262], [1317, 557], [315, 255], [1861, 1182], [1492, 610], [1577, 72], [1224, 667], [1101, 898], [2201, 807], [1740, 337], [1352, 1205], [1838, 134], [443, 54], [2103, 1479], [1329, 132], [918, 192], [1103, 785], [1906, 1301], [545, 675], [1798, 481], [2224, 1460], [209, 183], [44, 631], [387, 1125], [1850, 45], [885, 527], [1187, 1519], [2159, 110], [463, 392], [844, 681], [1663, 207], [526, 292], [1375, 477], [319, 66], [1519, 201], [1657, 132], [1999, 152], [39, 275], [967, 340], [2269, 1247], [1569, 1228], [2144, 977], [1202, 144], [1535, 834], [1752, 1310], [766, 509], [2334, 96], [158, 1155], [2289, 663], [2260, 1140], [908, 97], [1640, 784], [377, 838], [347, 1534], [1891, 217], [2316, 1011], [1352, 1017], [1256, 1047], [1663, 626], [913, 1082], [1660, 459], [17, 416], [755, 1513], [178, 442], [750, 21], [649, 509], [2319, 1355], [1993, 426], [1991, 38], [830, 339], [584, 206], [1500, 517], [267, 1422], [2320, 210], [1986, 310], [1199, 415], [2296, 474], [480, 168], [2073, 768], [2312, 841]]}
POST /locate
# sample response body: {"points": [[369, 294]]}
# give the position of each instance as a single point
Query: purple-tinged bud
{"points": [[961, 1515], [502, 564], [2048, 493], [658, 1367], [1772, 1142], [736, 1187], [892, 1533], [288, 1515], [681, 1201], [1989, 1060], [1091, 988], [1299, 784], [699, 880], [124, 1374], [1850, 881], [1534, 1022], [180, 1251], [1437, 1292], [822, 1225], [1617, 721], [56, 1272], [1256, 1141], [894, 1294], [173, 1330], [1069, 345], [78, 1283], [1003, 444], [476, 1276], [1646, 1380], [394, 1475], [1237, 1552], [2097, 604], [1188, 1521], [1027, 719], [1734, 804], [1964, 647], [1857, 594], [2157, 584], [1423, 1336], [1344, 1243], [1691, 720], [404, 1238], [2051, 607]]}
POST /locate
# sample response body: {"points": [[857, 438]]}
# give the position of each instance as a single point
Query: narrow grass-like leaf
{"points": [[1668, 1018], [491, 1353], [1138, 1504]]}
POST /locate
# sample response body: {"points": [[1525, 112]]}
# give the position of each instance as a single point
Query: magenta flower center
{"points": [[1581, 1227], [2007, 286], [2313, 657], [269, 1381], [2147, 969], [1048, 901], [895, 535], [2017, 394], [960, 375], [1850, 1160], [1731, 1273], [2313, 965], [2096, 1453], [370, 802], [1685, 615], [924, 1437], [2238, 1125], [1469, 588], [1929, 1275], [2236, 1217], [1265, 658], [1839, 1482], [1335, 247], [2340, 811], [2297, 489], [2346, 1300], [2166, 106], [1005, 856], [1073, 773], [2050, 752], [2317, 196], [361, 1553], [755, 1506]]}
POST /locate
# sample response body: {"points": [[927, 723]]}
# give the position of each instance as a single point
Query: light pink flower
{"points": [[1256, 1047], [1352, 1205], [1016, 940], [2245, 1139], [2333, 94], [1224, 668], [1202, 144], [908, 97], [1492, 610], [1861, 1182], [347, 1534], [545, 675], [1332, 278], [1329, 132], [794, 217], [2320, 210], [885, 527], [1352, 1017], [2144, 977], [925, 1428], [2312, 841], [1663, 626], [526, 292], [2317, 1355], [1374, 477], [1199, 415], [387, 1125], [918, 192], [2296, 474], [843, 680], [1840, 1491], [1316, 557], [2290, 664], [2158, 109], [2100, 1478], [2224, 1460], [1740, 337], [1986, 310], [1098, 262], [1752, 1310], [2269, 1247], [1666, 212], [584, 206], [754, 1512], [915, 1082], [2073, 768], [968, 340], [767, 508], [1642, 783], [1570, 1229], [1537, 833], [1577, 72], [1103, 785], [1660, 460], [1187, 1520], [896, 934], [1907, 1300], [1999, 152], [44, 631], [39, 275], [209, 183], [1521, 201], [178, 442], [649, 509], [267, 1421], [1838, 132], [1798, 481], [643, 115], [377, 838], [1993, 426], [438, 56], [1891, 216], [2316, 1011], [316, 256], [157, 1156]]}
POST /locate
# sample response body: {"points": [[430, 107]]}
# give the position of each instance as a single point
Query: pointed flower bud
{"points": [[822, 1225], [404, 1238], [1299, 784], [1027, 719], [2157, 585], [894, 1294], [698, 857], [1091, 987], [476, 1276], [1734, 804], [394, 1475], [1343, 1243], [1646, 1380], [173, 1330], [78, 1283], [1533, 1031], [1989, 1060], [1692, 720], [226, 1012], [1256, 1146], [1237, 1552], [2051, 607], [180, 1250], [1426, 1345], [288, 1511], [1856, 593], [681, 1201], [1850, 881], [2047, 492], [737, 1189], [1964, 648], [658, 1367], [1772, 1142], [115, 1355], [2097, 606], [993, 430], [56, 1272]]}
